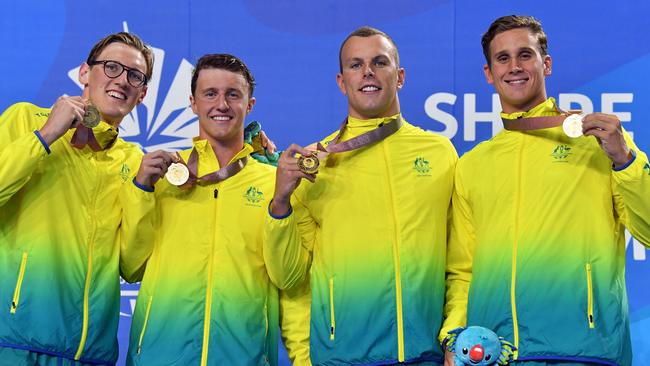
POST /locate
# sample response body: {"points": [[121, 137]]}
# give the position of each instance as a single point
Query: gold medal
{"points": [[177, 174], [308, 164], [572, 125], [91, 117]]}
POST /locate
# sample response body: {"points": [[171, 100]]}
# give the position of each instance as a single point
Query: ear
{"points": [[488, 74], [251, 103], [548, 63], [341, 84], [401, 74], [143, 93], [84, 74], [193, 105]]}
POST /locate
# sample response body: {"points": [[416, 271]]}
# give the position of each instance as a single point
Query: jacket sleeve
{"points": [[460, 252], [295, 304], [631, 190], [137, 234], [288, 244], [20, 150]]}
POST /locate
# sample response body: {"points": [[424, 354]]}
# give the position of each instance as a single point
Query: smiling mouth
{"points": [[221, 118], [116, 95], [370, 89], [516, 82]]}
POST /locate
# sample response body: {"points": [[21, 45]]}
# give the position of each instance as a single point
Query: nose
{"points": [[222, 104], [368, 71], [515, 67], [476, 353]]}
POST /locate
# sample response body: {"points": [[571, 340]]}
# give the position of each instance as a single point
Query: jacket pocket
{"points": [[332, 318], [590, 297], [19, 283], [144, 324]]}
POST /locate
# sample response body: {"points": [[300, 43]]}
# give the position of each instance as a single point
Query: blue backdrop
{"points": [[600, 49]]}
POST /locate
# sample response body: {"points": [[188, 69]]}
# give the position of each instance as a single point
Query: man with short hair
{"points": [[537, 245], [60, 217], [206, 297], [370, 231]]}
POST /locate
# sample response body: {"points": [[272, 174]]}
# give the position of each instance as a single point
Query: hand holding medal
{"points": [[155, 165], [295, 164], [609, 133]]}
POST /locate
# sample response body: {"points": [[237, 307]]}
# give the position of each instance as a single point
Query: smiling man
{"points": [[60, 215], [206, 298], [542, 263], [370, 230]]}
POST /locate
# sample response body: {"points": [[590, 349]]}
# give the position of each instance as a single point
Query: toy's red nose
{"points": [[476, 353]]}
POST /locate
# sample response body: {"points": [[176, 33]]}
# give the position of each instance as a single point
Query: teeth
{"points": [[220, 118], [516, 81], [369, 88], [115, 94]]}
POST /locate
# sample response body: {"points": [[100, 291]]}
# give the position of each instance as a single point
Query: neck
{"points": [[392, 110], [225, 151]]}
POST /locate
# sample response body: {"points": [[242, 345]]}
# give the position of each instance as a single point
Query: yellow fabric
{"points": [[205, 281], [61, 209], [537, 242], [375, 223]]}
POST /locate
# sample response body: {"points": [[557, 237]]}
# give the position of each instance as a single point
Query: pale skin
{"points": [[370, 79], [114, 97]]}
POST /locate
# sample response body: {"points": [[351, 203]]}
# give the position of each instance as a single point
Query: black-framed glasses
{"points": [[113, 69]]}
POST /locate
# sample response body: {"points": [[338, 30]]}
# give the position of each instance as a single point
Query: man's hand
{"points": [[607, 130], [64, 113], [449, 358], [287, 179], [267, 144], [153, 167]]}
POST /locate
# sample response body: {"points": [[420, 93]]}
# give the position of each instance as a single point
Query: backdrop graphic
{"points": [[600, 50]]}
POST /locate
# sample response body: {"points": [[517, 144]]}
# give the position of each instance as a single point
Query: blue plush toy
{"points": [[478, 346]]}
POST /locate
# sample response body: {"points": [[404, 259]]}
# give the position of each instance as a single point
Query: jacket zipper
{"points": [[208, 295], [332, 319], [89, 271], [144, 325], [397, 266], [513, 283], [590, 297], [19, 282]]}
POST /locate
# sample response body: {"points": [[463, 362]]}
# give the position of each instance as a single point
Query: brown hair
{"points": [[367, 32], [225, 62], [128, 39], [510, 22]]}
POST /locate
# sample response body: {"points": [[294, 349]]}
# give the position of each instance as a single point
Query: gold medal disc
{"points": [[91, 117], [572, 125], [177, 174], [308, 164]]}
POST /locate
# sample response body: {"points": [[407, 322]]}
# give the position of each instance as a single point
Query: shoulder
{"points": [[27, 113]]}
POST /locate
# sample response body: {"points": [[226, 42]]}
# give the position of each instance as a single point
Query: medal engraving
{"points": [[177, 174], [91, 117], [308, 164], [572, 125]]}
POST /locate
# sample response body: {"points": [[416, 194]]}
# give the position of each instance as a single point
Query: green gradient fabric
{"points": [[59, 239], [537, 249], [374, 223]]}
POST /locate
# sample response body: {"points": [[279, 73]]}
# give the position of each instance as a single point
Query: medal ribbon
{"points": [[537, 123], [84, 136], [214, 177], [384, 130]]}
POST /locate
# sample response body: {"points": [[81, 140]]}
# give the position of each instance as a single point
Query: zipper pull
{"points": [[216, 193]]}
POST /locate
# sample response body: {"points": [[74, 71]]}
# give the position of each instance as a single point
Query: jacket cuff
{"points": [[281, 217], [40, 138], [626, 164], [143, 187]]}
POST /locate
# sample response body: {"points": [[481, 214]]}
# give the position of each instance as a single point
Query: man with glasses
{"points": [[60, 254]]}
